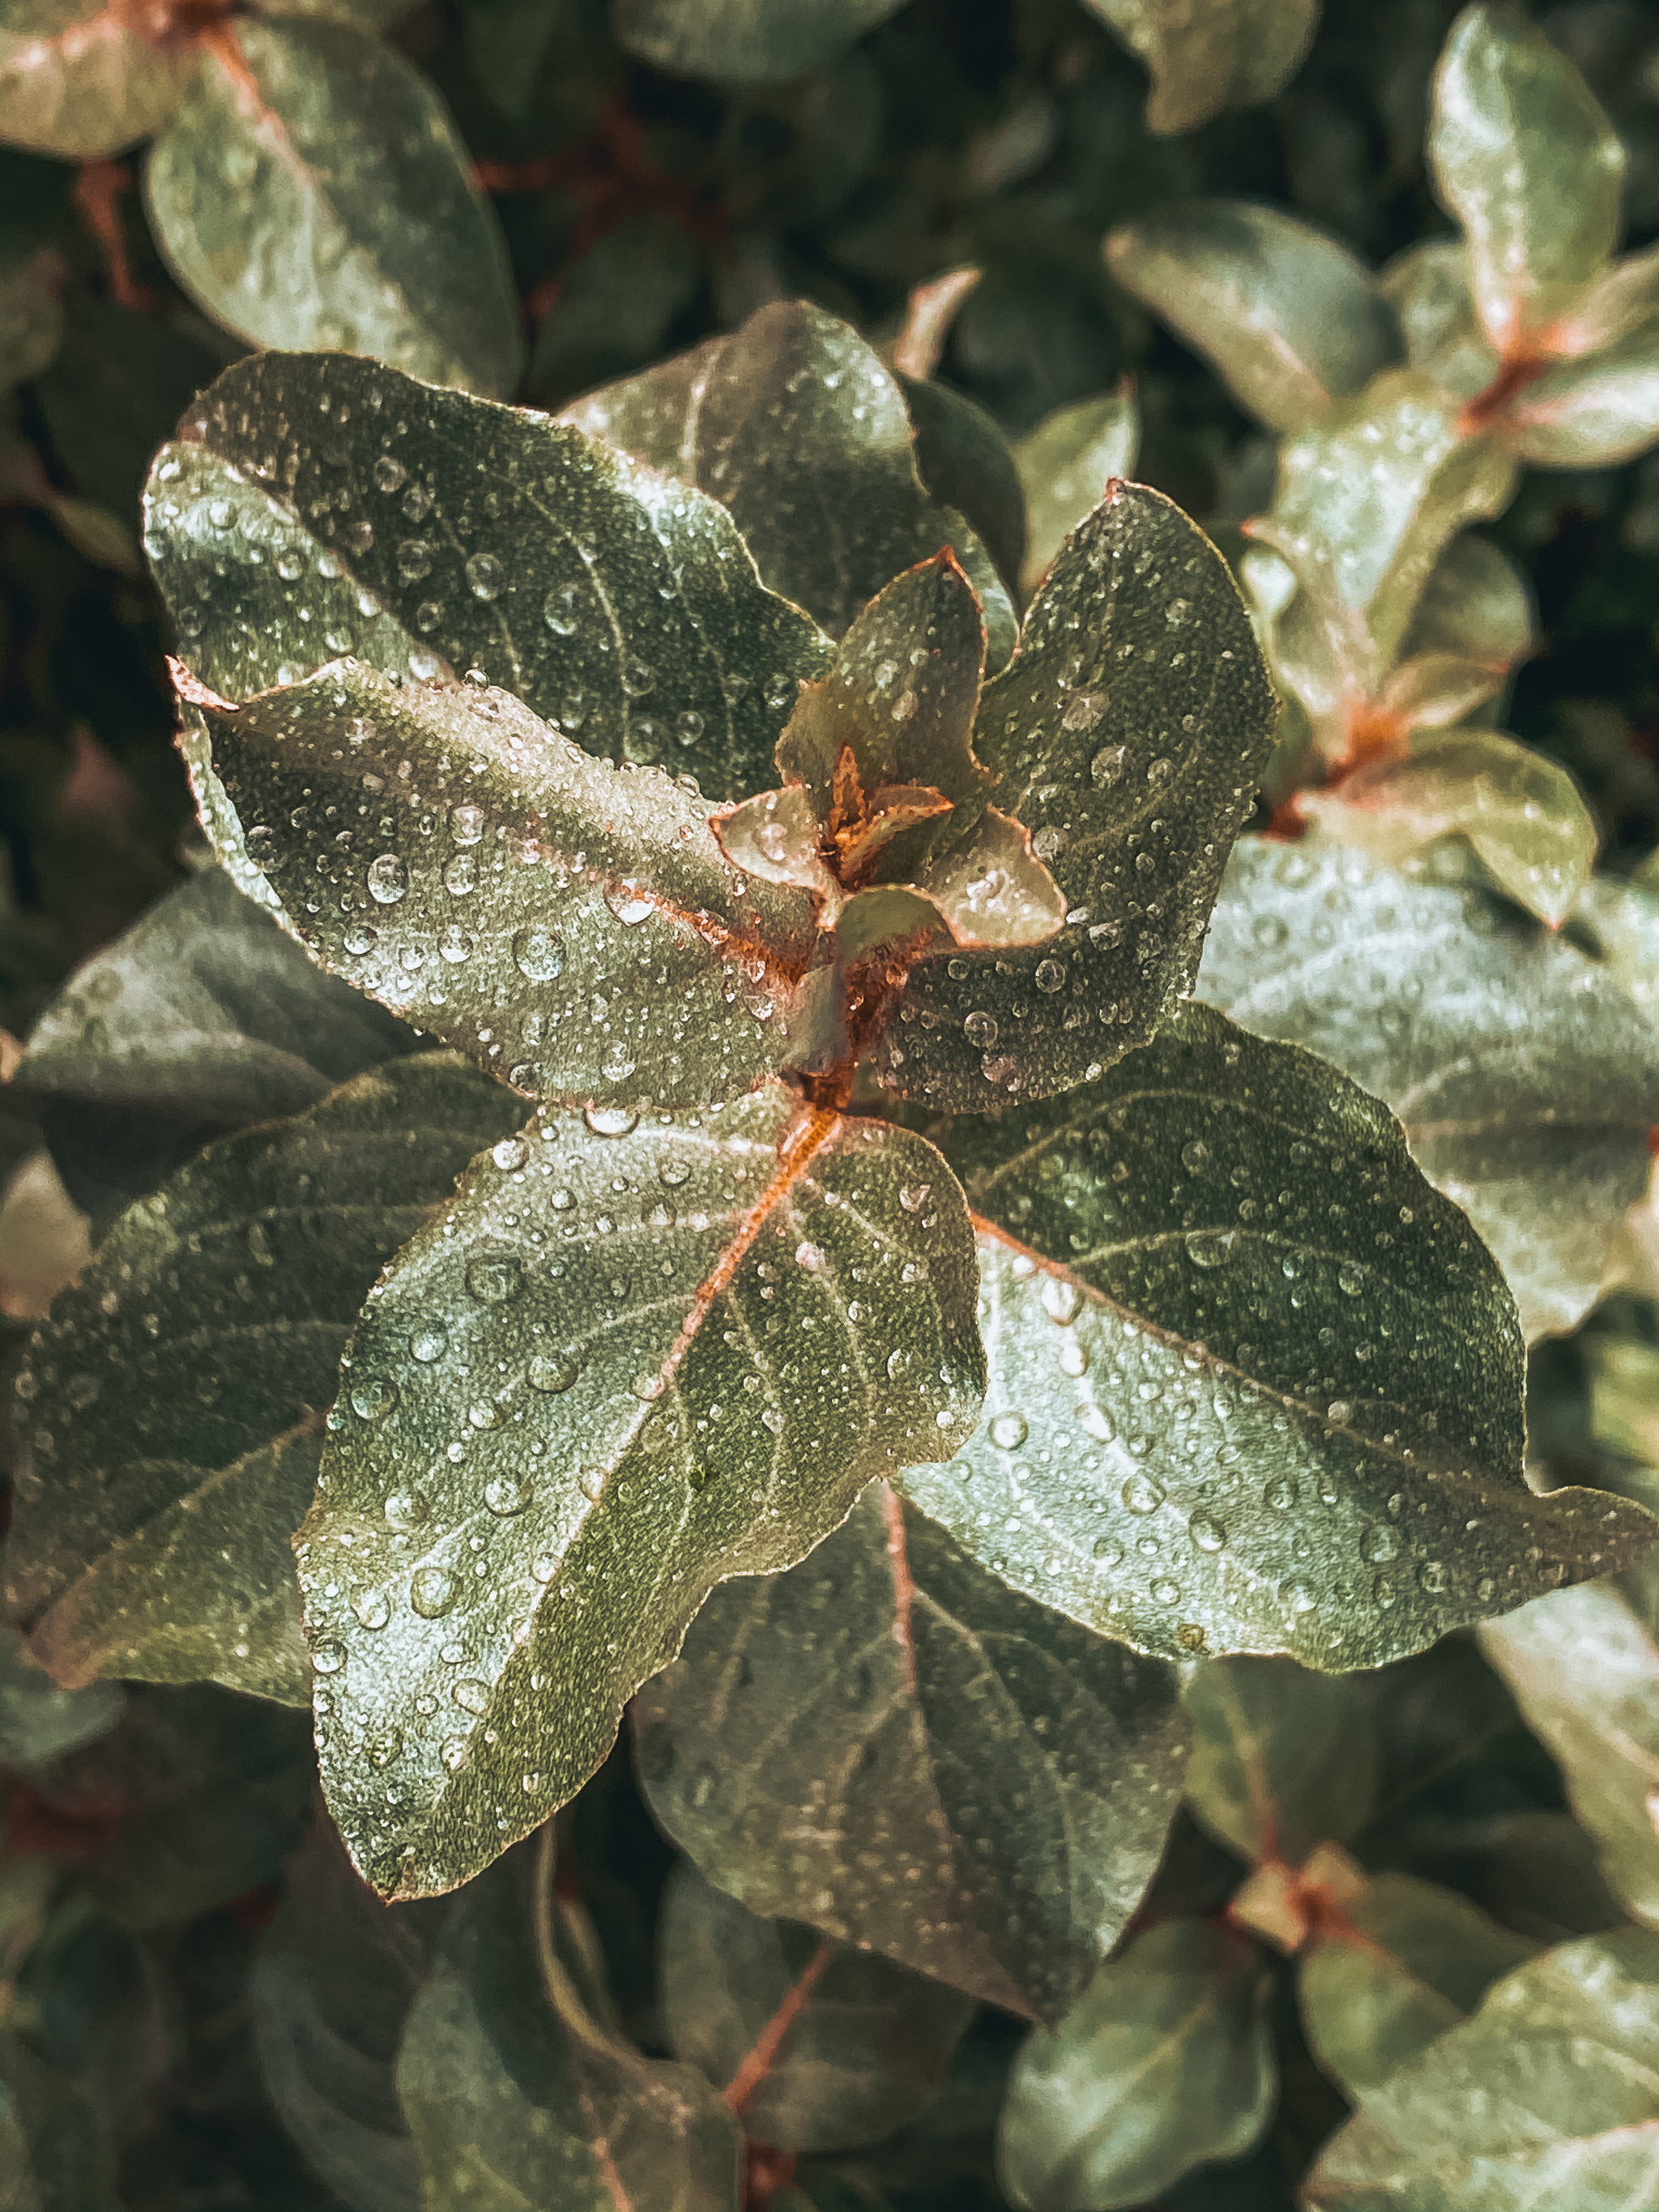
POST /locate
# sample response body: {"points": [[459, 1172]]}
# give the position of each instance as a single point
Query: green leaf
{"points": [[1396, 1967], [1525, 1080], [1204, 56], [204, 1017], [1289, 318], [31, 311], [1128, 734], [1589, 414], [1166, 2062], [54, 2156], [1525, 160], [795, 425], [38, 1720], [616, 303], [1283, 1760], [518, 2097], [890, 1700], [815, 2049], [557, 1458], [333, 1981], [306, 490], [1427, 286], [1585, 1674], [1520, 812], [159, 1548], [1622, 921], [1252, 1379], [79, 78], [575, 927], [1476, 607], [1547, 2095], [965, 462], [1066, 465], [312, 190], [743, 41]]}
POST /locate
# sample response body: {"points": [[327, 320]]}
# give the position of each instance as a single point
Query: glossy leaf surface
{"points": [[1165, 2063], [1283, 1760], [1525, 1080], [1128, 734], [634, 1357], [1590, 414], [743, 42], [312, 191], [80, 79], [889, 1743], [155, 1541], [1065, 466], [1207, 55]]}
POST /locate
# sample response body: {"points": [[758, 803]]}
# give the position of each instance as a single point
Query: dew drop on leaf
{"points": [[406, 1509], [431, 1592], [1008, 1432], [428, 1343], [388, 879], [372, 1609]]}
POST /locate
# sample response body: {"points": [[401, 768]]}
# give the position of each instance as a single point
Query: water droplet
{"points": [[494, 1277], [482, 1413], [913, 1196], [1433, 1576], [616, 1064], [388, 879], [688, 726], [406, 1509], [431, 1592], [373, 1399], [560, 610], [329, 1656], [1008, 1432], [454, 944], [539, 953], [486, 575], [1350, 1278], [361, 939], [1270, 931], [1051, 976], [471, 1695], [1062, 1299], [1106, 768], [427, 1343], [383, 1746], [264, 846], [981, 1030], [1296, 1597], [372, 1609], [507, 1494], [510, 1153], [461, 875], [1281, 1492], [1206, 1532], [1212, 1249], [414, 560], [611, 1121], [1109, 1553], [1165, 1591], [1141, 1494], [1196, 1157], [389, 474], [629, 903], [1377, 1543]]}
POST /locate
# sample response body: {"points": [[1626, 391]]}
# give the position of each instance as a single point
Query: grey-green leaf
{"points": [[54, 2154], [312, 190], [1526, 1078], [79, 78], [36, 1719], [1166, 2062], [152, 1539], [1290, 319], [1589, 414], [1066, 465], [636, 1357], [1283, 1760], [815, 2048], [31, 309], [743, 41], [1025, 1771], [1255, 1385], [1204, 56], [1129, 732]]}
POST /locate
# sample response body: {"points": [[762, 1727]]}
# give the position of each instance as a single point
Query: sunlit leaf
{"points": [[1524, 158], [1283, 1760], [1476, 606], [1547, 2095], [43, 1243], [80, 78], [632, 1359], [1165, 2063], [312, 191], [1066, 465], [891, 1699], [1591, 414], [1203, 56], [1289, 317], [517, 2096], [815, 2048], [1525, 1080], [152, 1539], [1428, 288], [1254, 1385], [1128, 734], [743, 42], [794, 424]]}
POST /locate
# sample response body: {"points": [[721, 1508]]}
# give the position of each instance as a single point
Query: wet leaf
{"points": [[1589, 414], [794, 424], [572, 927], [1066, 465], [558, 1458], [1398, 1964], [814, 2048], [1428, 287], [79, 78], [153, 1539], [1547, 2095], [965, 462], [54, 2155], [1128, 734], [517, 2095], [1283, 1760], [891, 1701], [1476, 607], [1621, 920], [1290, 319], [1165, 2063], [1251, 1379], [202, 1017], [1204, 56], [743, 41], [1585, 1673], [1523, 157], [312, 191], [475, 536], [40, 1721], [1520, 812], [1525, 1080]]}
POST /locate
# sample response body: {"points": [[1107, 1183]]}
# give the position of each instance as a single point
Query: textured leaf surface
{"points": [[632, 1359], [572, 926], [78, 77], [794, 424], [1065, 465], [1548, 2095], [1283, 1760], [1524, 158], [153, 1533], [1165, 2063], [743, 42], [1290, 319], [1251, 1378], [517, 2096], [312, 190], [814, 2048], [889, 1743], [1525, 1080], [1128, 734], [1207, 55]]}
